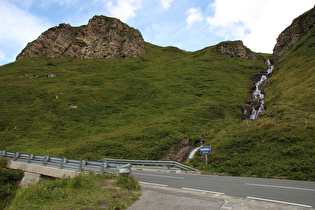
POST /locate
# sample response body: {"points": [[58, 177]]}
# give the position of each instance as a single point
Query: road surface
{"points": [[295, 193]]}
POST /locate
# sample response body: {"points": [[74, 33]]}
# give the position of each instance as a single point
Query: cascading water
{"points": [[258, 96], [193, 152]]}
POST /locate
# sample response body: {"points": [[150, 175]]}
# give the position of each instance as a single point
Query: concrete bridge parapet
{"points": [[43, 170]]}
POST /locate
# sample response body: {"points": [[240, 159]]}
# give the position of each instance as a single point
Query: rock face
{"points": [[235, 49], [103, 37], [293, 33]]}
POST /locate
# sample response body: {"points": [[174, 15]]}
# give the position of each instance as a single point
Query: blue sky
{"points": [[188, 24]]}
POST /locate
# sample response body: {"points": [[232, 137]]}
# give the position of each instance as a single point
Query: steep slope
{"points": [[120, 108], [281, 141]]}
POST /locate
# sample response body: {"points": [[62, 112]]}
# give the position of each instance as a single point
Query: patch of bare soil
{"points": [[110, 184]]}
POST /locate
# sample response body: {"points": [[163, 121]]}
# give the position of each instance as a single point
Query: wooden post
{"points": [[206, 159]]}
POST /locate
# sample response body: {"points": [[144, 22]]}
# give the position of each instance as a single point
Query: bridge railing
{"points": [[105, 165], [61, 163]]}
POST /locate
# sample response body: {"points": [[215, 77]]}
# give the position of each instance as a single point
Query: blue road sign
{"points": [[205, 150]]}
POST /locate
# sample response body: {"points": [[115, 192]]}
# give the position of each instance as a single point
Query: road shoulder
{"points": [[159, 197]]}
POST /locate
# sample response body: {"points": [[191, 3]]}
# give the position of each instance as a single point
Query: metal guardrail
{"points": [[102, 166], [154, 164], [60, 163]]}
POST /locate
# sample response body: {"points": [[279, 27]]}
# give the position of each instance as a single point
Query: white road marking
{"points": [[206, 191], [171, 177], [276, 201], [161, 185], [284, 187]]}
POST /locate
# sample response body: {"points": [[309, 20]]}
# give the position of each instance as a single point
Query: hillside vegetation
{"points": [[90, 191], [139, 108], [8, 183], [281, 142], [120, 108]]}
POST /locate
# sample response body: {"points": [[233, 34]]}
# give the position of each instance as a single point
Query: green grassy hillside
{"points": [[281, 142], [133, 108], [139, 108]]}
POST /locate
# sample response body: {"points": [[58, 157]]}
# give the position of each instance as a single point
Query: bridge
{"points": [[65, 167], [299, 194]]}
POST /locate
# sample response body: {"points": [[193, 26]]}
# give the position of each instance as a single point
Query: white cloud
{"points": [[166, 3], [17, 29], [23, 3], [124, 9], [194, 15], [258, 23]]}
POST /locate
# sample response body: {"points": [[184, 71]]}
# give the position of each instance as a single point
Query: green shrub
{"points": [[128, 182], [9, 180]]}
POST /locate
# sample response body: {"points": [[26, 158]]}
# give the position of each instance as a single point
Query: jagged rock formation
{"points": [[235, 49], [293, 33], [103, 37]]}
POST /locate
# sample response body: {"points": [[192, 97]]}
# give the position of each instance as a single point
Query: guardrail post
{"points": [[44, 160], [61, 163], [102, 170], [28, 158], [80, 166], [83, 164], [15, 156]]}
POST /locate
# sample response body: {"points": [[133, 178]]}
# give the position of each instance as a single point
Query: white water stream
{"points": [[192, 153], [258, 95]]}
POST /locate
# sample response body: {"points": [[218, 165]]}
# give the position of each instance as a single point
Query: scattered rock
{"points": [[73, 106], [51, 75]]}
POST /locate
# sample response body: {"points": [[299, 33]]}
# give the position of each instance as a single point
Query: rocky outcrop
{"points": [[235, 49], [293, 33], [103, 37], [178, 152]]}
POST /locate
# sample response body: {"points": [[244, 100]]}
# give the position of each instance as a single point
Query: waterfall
{"points": [[258, 96], [192, 153], [270, 67]]}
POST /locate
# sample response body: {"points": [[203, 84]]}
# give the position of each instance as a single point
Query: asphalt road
{"points": [[295, 193]]}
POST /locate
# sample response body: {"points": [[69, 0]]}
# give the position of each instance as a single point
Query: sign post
{"points": [[205, 151]]}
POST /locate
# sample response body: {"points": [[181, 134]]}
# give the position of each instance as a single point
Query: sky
{"points": [[190, 25]]}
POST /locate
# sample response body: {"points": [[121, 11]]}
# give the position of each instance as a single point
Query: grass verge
{"points": [[91, 191]]}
